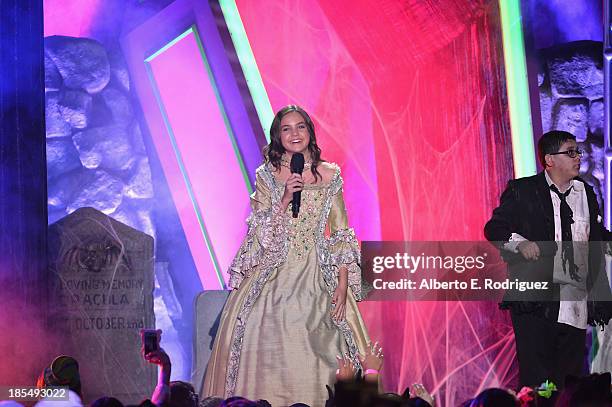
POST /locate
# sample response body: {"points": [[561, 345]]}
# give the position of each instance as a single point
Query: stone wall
{"points": [[571, 99], [96, 157], [95, 151]]}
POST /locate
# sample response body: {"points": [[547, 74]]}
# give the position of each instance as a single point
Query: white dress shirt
{"points": [[571, 312]]}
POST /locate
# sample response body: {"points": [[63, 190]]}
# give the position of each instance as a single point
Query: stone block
{"points": [[75, 107], [576, 70], [119, 71], [572, 115], [107, 147], [98, 190], [56, 125], [546, 107], [61, 188], [61, 156], [140, 185], [119, 105], [596, 117], [82, 62], [53, 79]]}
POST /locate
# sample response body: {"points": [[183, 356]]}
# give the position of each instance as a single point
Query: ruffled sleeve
{"points": [[265, 242], [343, 245]]}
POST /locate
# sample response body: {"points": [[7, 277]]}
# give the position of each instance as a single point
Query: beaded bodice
{"points": [[303, 229]]}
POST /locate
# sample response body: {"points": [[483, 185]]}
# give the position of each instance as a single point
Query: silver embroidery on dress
{"points": [[274, 240], [329, 269], [269, 230]]}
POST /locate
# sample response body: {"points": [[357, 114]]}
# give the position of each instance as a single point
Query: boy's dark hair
{"points": [[551, 142]]}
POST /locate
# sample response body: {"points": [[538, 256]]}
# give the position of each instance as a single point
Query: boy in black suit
{"points": [[538, 226]]}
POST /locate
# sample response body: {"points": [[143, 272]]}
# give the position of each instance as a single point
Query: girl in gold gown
{"points": [[296, 281]]}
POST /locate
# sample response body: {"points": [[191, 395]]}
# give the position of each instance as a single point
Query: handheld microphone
{"points": [[297, 166]]}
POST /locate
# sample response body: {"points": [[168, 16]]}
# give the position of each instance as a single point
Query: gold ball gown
{"points": [[276, 339]]}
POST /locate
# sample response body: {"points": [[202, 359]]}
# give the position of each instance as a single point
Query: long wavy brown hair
{"points": [[274, 151]]}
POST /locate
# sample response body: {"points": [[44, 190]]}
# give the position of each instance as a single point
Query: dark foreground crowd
{"points": [[352, 389]]}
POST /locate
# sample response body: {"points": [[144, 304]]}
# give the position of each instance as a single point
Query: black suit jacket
{"points": [[526, 208]]}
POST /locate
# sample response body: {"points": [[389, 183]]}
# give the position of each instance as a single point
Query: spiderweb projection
{"points": [[409, 98]]}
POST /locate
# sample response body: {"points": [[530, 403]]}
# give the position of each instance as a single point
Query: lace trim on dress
{"points": [[264, 231], [329, 268], [344, 250], [273, 237]]}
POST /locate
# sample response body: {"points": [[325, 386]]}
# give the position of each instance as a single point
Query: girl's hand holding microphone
{"points": [[294, 183]]}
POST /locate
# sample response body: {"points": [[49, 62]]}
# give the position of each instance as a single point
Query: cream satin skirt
{"points": [[290, 343]]}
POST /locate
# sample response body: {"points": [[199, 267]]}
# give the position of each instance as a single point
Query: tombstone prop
{"points": [[100, 295]]}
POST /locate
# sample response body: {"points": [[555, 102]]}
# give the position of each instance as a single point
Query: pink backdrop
{"points": [[409, 98]]}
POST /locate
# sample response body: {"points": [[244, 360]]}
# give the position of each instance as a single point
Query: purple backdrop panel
{"points": [[193, 109], [203, 148]]}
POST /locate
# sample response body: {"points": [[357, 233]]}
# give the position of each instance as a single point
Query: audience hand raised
{"points": [[418, 390], [346, 369], [373, 359]]}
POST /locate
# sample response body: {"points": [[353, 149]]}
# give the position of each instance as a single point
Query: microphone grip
{"points": [[295, 203]]}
